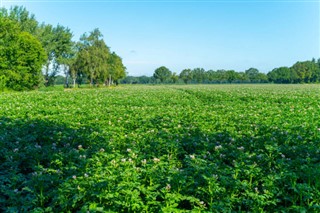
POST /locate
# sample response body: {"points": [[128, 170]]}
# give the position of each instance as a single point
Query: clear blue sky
{"points": [[180, 34]]}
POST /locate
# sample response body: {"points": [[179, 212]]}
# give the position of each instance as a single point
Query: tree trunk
{"points": [[67, 76]]}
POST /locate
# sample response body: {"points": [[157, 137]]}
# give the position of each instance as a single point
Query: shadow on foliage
{"points": [[269, 169], [36, 156], [272, 169], [266, 168]]}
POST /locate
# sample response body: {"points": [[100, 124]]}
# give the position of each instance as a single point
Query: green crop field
{"points": [[197, 148]]}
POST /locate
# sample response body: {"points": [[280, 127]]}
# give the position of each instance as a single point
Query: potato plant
{"points": [[194, 148]]}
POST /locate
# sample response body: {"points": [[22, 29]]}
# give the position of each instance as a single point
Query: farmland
{"points": [[172, 148]]}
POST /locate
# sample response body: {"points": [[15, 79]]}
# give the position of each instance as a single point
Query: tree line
{"points": [[32, 54], [300, 72]]}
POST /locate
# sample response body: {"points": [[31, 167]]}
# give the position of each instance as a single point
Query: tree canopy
{"points": [[33, 54], [162, 73], [186, 75], [21, 57], [300, 72], [92, 57], [94, 60]]}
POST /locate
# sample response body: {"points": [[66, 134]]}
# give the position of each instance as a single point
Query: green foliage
{"points": [[3, 82], [51, 88], [300, 72], [116, 69], [22, 17], [64, 51], [21, 56], [186, 75], [281, 75], [89, 59], [162, 73], [200, 148], [138, 80], [174, 77], [252, 74], [231, 75], [57, 42], [198, 75], [60, 80], [307, 71], [92, 57]]}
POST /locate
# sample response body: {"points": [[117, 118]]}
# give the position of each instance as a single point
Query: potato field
{"points": [[169, 148]]}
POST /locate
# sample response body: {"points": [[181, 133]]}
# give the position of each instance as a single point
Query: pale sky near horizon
{"points": [[183, 34]]}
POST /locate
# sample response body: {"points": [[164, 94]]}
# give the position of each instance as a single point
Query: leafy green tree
{"points": [[145, 79], [66, 64], [137, 80], [92, 57], [64, 51], [211, 76], [89, 58], [231, 76], [60, 80], [198, 74], [162, 73], [19, 14], [76, 70], [262, 78], [174, 77], [252, 74], [221, 76], [281, 75], [116, 69], [46, 37], [21, 57], [3, 12], [302, 71], [57, 42], [186, 75], [131, 80], [307, 71], [242, 77]]}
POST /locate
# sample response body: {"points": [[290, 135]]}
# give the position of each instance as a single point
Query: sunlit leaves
{"points": [[226, 148]]}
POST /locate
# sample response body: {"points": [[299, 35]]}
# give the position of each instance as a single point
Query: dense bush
{"points": [[21, 58]]}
